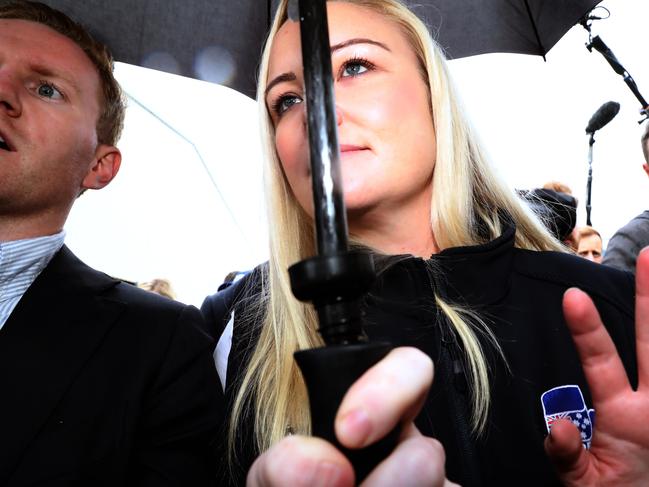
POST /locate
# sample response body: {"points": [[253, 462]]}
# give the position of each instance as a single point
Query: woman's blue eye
{"points": [[48, 90], [354, 69], [286, 102]]}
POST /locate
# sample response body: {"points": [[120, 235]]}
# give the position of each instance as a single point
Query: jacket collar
{"points": [[478, 274]]}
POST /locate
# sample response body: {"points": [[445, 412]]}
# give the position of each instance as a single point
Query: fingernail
{"points": [[325, 474], [571, 290], [355, 428]]}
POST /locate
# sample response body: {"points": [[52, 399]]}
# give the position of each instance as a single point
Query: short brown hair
{"points": [[111, 116], [644, 140], [587, 231], [558, 187]]}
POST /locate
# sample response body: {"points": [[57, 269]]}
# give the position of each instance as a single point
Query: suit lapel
{"points": [[52, 332]]}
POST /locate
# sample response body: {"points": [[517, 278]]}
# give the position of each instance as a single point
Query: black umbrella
{"points": [[221, 40], [469, 27], [214, 40]]}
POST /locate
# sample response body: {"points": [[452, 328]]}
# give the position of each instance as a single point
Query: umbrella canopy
{"points": [[213, 40], [221, 40], [470, 27]]}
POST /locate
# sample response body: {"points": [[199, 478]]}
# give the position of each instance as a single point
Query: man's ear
{"points": [[104, 167], [646, 168]]}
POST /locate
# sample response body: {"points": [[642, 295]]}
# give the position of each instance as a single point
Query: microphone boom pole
{"points": [[589, 184], [598, 44]]}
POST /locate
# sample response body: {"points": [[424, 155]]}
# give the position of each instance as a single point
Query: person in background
{"points": [[231, 278], [558, 186], [103, 384], [159, 286], [558, 212], [589, 244], [571, 203], [625, 245], [469, 281]]}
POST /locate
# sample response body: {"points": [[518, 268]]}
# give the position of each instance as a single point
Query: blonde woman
{"points": [[468, 279]]}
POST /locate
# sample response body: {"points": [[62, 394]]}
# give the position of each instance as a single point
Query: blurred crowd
{"points": [[557, 207]]}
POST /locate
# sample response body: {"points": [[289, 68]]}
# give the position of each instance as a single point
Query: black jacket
{"points": [[518, 295], [104, 384]]}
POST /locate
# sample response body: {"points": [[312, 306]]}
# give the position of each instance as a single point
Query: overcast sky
{"points": [[187, 202]]}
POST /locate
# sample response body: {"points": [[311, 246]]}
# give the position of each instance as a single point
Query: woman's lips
{"points": [[351, 148]]}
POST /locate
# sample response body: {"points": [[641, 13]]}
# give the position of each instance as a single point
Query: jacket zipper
{"points": [[453, 380]]}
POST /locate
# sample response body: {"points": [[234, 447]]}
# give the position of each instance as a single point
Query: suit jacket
{"points": [[625, 245], [104, 384]]}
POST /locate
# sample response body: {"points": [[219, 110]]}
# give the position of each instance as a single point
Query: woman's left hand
{"points": [[619, 452]]}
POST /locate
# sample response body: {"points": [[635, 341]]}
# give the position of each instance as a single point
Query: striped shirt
{"points": [[21, 261]]}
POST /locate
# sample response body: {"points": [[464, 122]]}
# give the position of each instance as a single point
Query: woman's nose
{"points": [[339, 116], [305, 118]]}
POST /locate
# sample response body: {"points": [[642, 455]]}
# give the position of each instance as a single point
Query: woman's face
{"points": [[385, 127]]}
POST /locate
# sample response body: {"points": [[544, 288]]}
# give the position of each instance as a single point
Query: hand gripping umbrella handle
{"points": [[335, 284], [328, 373]]}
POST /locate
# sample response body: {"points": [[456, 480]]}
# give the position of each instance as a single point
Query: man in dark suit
{"points": [[627, 242], [101, 383]]}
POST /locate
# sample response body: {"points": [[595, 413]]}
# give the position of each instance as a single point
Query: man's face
{"points": [[590, 248], [49, 106]]}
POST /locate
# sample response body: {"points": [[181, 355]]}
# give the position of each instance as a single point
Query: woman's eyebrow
{"points": [[290, 76], [350, 42]]}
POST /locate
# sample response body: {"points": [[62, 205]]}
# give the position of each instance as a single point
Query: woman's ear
{"points": [[104, 167]]}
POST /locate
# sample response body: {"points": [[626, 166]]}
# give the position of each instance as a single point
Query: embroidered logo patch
{"points": [[567, 402]]}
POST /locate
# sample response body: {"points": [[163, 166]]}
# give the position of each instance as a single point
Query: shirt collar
{"points": [[26, 258]]}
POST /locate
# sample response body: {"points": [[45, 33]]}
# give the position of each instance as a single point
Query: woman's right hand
{"points": [[619, 452], [390, 393]]}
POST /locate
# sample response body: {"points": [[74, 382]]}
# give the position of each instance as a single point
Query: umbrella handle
{"points": [[328, 373], [335, 284]]}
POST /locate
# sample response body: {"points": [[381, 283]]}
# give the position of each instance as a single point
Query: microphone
{"points": [[604, 115]]}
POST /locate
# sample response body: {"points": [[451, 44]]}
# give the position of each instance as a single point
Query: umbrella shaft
{"points": [[329, 209]]}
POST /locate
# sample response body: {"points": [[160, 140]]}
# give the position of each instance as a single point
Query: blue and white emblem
{"points": [[567, 402]]}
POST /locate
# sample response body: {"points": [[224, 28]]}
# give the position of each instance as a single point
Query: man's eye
{"points": [[48, 90]]}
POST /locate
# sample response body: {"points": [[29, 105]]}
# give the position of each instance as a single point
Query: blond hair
{"points": [[159, 286], [272, 386]]}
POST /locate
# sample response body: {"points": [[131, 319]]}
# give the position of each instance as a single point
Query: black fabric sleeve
{"points": [[216, 308], [176, 444]]}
